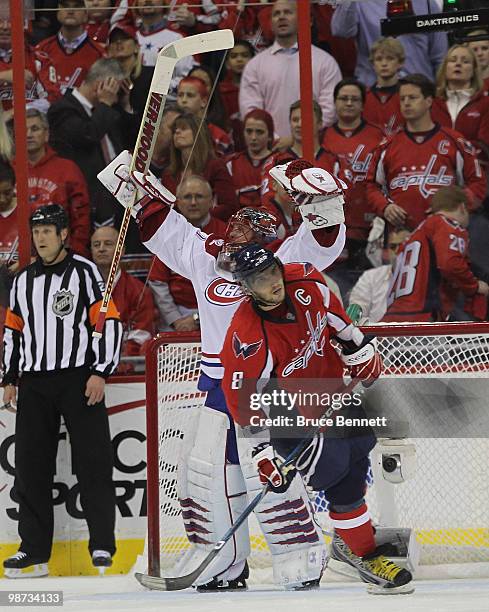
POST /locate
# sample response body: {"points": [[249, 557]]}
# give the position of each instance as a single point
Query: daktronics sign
{"points": [[409, 24]]}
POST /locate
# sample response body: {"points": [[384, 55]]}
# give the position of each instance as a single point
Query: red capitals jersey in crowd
{"points": [[246, 173], [32, 92], [432, 267], [180, 287], [323, 159], [136, 309], [355, 149], [382, 108], [55, 180], [294, 344], [472, 120], [9, 234], [65, 68], [412, 167]]}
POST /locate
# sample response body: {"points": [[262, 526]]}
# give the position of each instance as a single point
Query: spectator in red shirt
{"points": [[382, 102], [70, 53], [461, 102], [132, 299], [353, 141], [191, 152], [410, 166], [433, 267], [99, 14], [481, 52], [246, 167], [55, 180], [236, 60], [161, 152], [9, 236], [192, 97], [215, 113], [174, 295]]}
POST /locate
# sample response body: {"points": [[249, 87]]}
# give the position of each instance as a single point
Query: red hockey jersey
{"points": [[32, 92], [412, 167], [62, 69], [55, 180], [472, 121], [296, 345], [223, 144], [355, 150], [246, 174], [382, 108], [431, 269]]}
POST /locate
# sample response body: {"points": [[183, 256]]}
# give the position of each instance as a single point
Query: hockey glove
{"points": [[268, 465], [365, 363]]}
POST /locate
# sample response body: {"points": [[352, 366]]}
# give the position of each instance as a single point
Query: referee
{"points": [[60, 371]]}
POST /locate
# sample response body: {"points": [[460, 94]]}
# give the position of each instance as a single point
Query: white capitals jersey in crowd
{"points": [[182, 247]]}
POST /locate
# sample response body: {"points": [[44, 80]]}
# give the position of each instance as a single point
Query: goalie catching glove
{"points": [[364, 363], [318, 194], [267, 464]]}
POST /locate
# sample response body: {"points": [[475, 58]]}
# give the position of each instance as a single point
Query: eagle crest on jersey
{"points": [[63, 303], [243, 349]]}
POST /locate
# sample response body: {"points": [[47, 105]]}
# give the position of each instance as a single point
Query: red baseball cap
{"points": [[123, 26]]}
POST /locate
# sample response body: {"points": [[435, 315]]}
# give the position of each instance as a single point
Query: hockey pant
{"points": [[214, 490]]}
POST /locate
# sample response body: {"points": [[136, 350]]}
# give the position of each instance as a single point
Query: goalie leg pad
{"points": [[299, 553], [212, 495]]}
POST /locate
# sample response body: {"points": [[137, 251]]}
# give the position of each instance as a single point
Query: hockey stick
{"points": [[184, 582], [148, 131]]}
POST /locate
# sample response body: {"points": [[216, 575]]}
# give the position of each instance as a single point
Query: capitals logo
{"points": [[244, 350], [223, 293]]}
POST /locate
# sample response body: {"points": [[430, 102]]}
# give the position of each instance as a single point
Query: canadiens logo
{"points": [[244, 350], [222, 293], [63, 303]]}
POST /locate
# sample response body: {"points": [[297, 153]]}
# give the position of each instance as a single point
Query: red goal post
{"points": [[431, 349]]}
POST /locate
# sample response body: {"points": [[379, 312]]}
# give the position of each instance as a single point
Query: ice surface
{"points": [[123, 593]]}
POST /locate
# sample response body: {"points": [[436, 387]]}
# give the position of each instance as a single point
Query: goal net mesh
{"points": [[446, 503]]}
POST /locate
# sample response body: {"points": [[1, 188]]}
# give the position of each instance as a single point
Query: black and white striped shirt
{"points": [[48, 326]]}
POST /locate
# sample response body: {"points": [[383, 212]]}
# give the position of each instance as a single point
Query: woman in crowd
{"points": [[461, 102], [6, 147], [246, 167], [191, 152]]}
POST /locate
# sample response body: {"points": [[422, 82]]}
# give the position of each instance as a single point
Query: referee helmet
{"points": [[51, 214]]}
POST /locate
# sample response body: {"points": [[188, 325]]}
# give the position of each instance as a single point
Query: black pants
{"points": [[42, 400]]}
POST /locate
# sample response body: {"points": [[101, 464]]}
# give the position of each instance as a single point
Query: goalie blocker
{"points": [[283, 331]]}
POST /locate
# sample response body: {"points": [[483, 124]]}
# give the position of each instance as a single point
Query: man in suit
{"points": [[89, 126]]}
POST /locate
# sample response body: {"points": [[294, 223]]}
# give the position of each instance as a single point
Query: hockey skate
{"points": [[22, 565], [236, 584], [101, 559], [383, 576]]}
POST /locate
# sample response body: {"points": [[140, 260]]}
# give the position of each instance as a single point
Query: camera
{"points": [[398, 460]]}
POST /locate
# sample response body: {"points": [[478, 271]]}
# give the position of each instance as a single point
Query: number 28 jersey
{"points": [[431, 268]]}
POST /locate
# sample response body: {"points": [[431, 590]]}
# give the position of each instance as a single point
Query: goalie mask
{"points": [[246, 226], [319, 195], [260, 274]]}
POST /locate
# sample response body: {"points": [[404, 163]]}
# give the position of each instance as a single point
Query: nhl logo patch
{"points": [[63, 303]]}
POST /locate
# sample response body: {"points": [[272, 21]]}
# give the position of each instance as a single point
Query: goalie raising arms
{"points": [[298, 550], [279, 335]]}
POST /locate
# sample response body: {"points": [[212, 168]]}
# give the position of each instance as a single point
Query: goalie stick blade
{"points": [[189, 45]]}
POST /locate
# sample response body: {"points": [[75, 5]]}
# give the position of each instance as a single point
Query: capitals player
{"points": [[298, 549], [282, 334], [433, 268], [413, 164]]}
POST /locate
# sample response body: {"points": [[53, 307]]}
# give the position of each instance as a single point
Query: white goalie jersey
{"points": [[190, 252]]}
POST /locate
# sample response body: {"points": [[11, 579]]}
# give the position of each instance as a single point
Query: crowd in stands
{"points": [[403, 122]]}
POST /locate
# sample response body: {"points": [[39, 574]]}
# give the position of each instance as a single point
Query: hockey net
{"points": [[446, 502]]}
